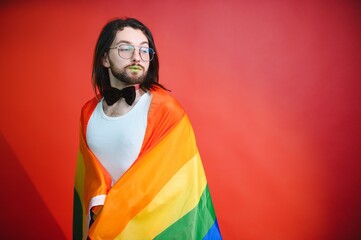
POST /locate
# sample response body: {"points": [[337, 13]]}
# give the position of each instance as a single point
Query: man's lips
{"points": [[135, 68]]}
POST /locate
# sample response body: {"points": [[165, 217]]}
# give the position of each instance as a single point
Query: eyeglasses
{"points": [[126, 51]]}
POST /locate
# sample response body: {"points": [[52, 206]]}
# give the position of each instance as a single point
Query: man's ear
{"points": [[105, 60]]}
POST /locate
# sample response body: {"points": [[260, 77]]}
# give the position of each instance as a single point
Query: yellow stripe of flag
{"points": [[179, 196], [79, 185]]}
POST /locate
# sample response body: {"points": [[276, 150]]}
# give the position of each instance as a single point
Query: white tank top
{"points": [[116, 141]]}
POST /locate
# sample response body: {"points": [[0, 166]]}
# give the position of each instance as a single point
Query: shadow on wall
{"points": [[24, 213]]}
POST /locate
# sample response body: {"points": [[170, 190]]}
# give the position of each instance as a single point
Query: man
{"points": [[139, 174]]}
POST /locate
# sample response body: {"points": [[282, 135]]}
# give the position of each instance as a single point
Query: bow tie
{"points": [[112, 95]]}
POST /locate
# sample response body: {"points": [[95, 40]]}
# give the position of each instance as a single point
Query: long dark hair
{"points": [[100, 74]]}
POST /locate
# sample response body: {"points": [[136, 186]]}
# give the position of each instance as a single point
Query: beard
{"points": [[123, 77]]}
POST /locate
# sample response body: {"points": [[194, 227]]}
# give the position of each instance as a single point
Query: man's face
{"points": [[128, 71]]}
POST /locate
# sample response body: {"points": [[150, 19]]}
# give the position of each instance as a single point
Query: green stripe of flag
{"points": [[77, 217], [195, 224]]}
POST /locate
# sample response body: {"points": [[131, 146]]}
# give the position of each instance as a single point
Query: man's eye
{"points": [[126, 48], [144, 50]]}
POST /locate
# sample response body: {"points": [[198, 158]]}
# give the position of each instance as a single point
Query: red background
{"points": [[272, 89]]}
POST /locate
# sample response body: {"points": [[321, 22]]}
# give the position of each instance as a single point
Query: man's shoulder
{"points": [[89, 107], [91, 102], [163, 98]]}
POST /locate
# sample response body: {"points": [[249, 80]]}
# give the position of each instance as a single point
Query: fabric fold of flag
{"points": [[164, 194]]}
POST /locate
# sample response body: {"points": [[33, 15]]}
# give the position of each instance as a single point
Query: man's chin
{"points": [[128, 78], [131, 80]]}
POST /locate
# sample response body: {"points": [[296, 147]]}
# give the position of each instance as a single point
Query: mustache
{"points": [[134, 65]]}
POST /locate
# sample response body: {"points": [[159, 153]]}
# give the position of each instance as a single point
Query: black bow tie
{"points": [[112, 95]]}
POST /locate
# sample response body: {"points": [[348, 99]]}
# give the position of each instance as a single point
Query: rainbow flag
{"points": [[164, 194]]}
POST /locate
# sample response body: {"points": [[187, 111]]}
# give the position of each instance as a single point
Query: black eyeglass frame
{"points": [[149, 50]]}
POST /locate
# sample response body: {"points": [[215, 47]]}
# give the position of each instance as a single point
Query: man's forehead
{"points": [[131, 35]]}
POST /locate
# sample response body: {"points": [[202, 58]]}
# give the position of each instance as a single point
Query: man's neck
{"points": [[121, 107]]}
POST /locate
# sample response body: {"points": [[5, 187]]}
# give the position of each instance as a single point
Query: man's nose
{"points": [[136, 56]]}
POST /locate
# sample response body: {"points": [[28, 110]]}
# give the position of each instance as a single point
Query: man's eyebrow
{"points": [[127, 42]]}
